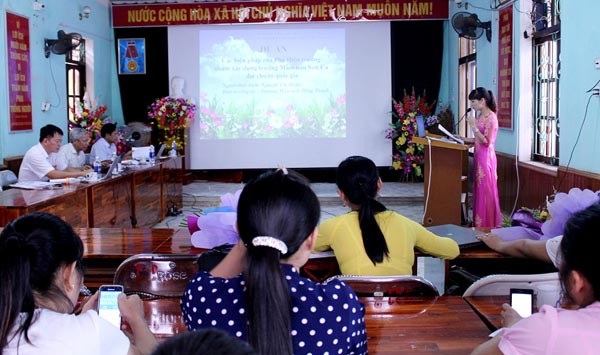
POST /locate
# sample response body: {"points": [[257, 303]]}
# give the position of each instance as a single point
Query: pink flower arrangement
{"points": [[171, 116], [89, 117]]}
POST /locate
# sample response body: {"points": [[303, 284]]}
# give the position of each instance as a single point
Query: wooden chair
{"points": [[498, 285], [389, 286], [156, 275]]}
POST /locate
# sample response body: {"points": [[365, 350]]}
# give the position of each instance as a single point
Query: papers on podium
{"points": [[458, 140]]}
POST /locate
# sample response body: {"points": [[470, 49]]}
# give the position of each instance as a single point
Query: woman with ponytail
{"points": [[371, 240], [486, 203], [256, 292], [40, 279]]}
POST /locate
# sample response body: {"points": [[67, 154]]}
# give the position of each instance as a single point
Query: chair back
{"points": [[389, 286], [156, 275], [7, 177], [499, 285]]}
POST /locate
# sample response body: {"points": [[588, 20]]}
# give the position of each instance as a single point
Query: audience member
{"points": [[204, 342], [269, 304], [105, 147], [41, 275], [36, 165], [371, 240], [544, 250], [557, 330], [71, 156], [543, 243]]}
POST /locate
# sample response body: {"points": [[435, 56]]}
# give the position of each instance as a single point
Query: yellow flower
{"points": [[401, 140], [397, 165]]}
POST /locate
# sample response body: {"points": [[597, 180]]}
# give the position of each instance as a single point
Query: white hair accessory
{"points": [[283, 169], [266, 241]]}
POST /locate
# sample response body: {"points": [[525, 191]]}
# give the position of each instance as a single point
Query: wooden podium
{"points": [[446, 171]]}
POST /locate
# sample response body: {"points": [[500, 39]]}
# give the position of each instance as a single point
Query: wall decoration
{"points": [[19, 76], [132, 55]]}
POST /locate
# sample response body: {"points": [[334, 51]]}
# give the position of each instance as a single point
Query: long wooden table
{"points": [[488, 308], [415, 325], [106, 248], [138, 197]]}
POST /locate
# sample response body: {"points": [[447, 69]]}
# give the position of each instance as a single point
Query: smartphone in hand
{"points": [[522, 301], [108, 306]]}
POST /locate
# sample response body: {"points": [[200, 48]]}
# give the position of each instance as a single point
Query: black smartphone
{"points": [[108, 306], [522, 301]]}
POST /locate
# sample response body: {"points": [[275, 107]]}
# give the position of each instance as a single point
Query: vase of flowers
{"points": [[89, 116], [408, 156], [172, 116]]}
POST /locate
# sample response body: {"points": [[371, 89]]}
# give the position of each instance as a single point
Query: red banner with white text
{"points": [[505, 67], [19, 79], [277, 12]]}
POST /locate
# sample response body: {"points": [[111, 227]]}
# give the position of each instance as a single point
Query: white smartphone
{"points": [[108, 306], [522, 301]]}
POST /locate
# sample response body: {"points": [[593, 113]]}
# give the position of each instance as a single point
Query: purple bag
{"points": [[524, 218]]}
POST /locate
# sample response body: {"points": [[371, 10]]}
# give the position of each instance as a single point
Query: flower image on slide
{"points": [[273, 84]]}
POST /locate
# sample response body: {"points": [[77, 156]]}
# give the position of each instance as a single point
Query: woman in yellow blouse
{"points": [[371, 240]]}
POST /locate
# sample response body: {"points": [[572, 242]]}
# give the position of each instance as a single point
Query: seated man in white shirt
{"points": [[71, 156], [105, 147], [36, 165]]}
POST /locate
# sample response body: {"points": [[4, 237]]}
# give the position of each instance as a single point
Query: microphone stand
{"points": [[461, 118]]}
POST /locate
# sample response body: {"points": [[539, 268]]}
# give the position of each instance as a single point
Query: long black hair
{"points": [[283, 206], [357, 178], [579, 248], [32, 249], [483, 93]]}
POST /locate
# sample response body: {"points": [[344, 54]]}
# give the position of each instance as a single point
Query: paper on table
{"points": [[35, 185], [458, 140]]}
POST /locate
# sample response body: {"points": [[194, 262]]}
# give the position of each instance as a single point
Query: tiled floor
{"points": [[404, 198]]}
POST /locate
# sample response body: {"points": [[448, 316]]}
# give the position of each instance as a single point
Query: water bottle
{"points": [[173, 152], [152, 155], [97, 167]]}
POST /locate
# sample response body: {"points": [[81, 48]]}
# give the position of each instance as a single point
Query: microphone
{"points": [[461, 118]]}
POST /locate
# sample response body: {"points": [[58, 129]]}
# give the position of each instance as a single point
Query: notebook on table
{"points": [[464, 237]]}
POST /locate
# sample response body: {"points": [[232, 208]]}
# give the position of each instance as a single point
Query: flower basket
{"points": [[408, 156], [89, 117], [172, 116]]}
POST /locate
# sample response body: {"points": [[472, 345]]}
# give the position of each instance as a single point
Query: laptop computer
{"points": [[464, 237], [420, 126], [160, 151], [112, 167]]}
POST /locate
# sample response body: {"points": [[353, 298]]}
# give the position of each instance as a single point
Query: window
{"points": [[76, 83], [546, 70], [467, 78]]}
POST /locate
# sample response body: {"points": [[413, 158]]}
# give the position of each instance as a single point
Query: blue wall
{"points": [[45, 86], [580, 30]]}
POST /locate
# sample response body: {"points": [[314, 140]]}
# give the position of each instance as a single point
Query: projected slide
{"points": [[271, 83]]}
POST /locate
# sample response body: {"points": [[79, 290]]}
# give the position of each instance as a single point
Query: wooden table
{"points": [[138, 197], [106, 248], [488, 308], [444, 325]]}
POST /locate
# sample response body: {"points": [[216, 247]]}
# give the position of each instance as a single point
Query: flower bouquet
{"points": [[171, 116], [89, 117], [407, 155]]}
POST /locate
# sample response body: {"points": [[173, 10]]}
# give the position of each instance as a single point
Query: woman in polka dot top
{"points": [[256, 292]]}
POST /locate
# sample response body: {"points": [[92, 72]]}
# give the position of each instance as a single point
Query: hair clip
{"points": [[266, 241], [283, 169]]}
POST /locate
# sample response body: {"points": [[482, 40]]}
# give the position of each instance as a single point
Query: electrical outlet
{"points": [[45, 106], [597, 63]]}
